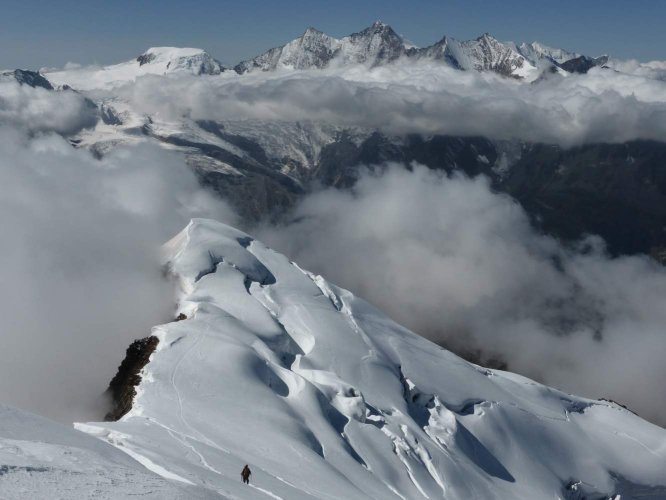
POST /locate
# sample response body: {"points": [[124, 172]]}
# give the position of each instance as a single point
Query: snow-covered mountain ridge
{"points": [[373, 46], [325, 397]]}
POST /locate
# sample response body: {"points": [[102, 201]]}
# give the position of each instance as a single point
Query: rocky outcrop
{"points": [[33, 79], [583, 64], [122, 388]]}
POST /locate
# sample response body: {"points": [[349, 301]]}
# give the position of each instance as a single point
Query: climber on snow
{"points": [[245, 474]]}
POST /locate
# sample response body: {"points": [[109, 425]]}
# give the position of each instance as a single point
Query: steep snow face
{"points": [[488, 54], [325, 397], [155, 61], [483, 54], [41, 460], [313, 49]]}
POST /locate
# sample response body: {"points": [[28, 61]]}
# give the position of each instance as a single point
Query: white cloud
{"points": [[80, 271], [604, 105], [39, 110]]}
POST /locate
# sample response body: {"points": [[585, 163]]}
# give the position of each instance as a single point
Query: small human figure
{"points": [[245, 474]]}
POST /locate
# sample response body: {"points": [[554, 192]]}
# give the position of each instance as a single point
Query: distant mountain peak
{"points": [[194, 60], [378, 27], [310, 31]]}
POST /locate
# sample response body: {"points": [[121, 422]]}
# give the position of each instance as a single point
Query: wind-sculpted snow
{"points": [[325, 397]]}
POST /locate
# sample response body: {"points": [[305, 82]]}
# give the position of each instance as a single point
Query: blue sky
{"points": [[36, 33]]}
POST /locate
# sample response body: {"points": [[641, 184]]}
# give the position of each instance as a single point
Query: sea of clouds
{"points": [[605, 105], [445, 256]]}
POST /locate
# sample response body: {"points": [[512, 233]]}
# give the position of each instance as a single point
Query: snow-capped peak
{"points": [[172, 59], [154, 61]]}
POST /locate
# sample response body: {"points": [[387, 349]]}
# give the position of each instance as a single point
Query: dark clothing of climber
{"points": [[245, 474]]}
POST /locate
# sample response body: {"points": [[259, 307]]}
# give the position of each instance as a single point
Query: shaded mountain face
{"points": [[617, 191], [583, 64]]}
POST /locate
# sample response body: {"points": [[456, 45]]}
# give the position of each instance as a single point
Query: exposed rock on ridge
{"points": [[122, 386]]}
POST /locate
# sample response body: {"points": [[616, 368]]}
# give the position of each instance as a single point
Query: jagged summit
{"points": [[374, 45]]}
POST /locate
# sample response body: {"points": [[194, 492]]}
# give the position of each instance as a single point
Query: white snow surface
{"points": [[44, 460], [327, 398]]}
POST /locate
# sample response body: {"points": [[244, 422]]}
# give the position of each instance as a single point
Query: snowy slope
{"points": [[40, 459], [327, 398], [155, 61]]}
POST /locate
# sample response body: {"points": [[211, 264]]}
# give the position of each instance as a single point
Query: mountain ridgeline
{"points": [[379, 44]]}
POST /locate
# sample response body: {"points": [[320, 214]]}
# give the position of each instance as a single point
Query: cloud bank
{"points": [[41, 110], [80, 267], [604, 105], [461, 265]]}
